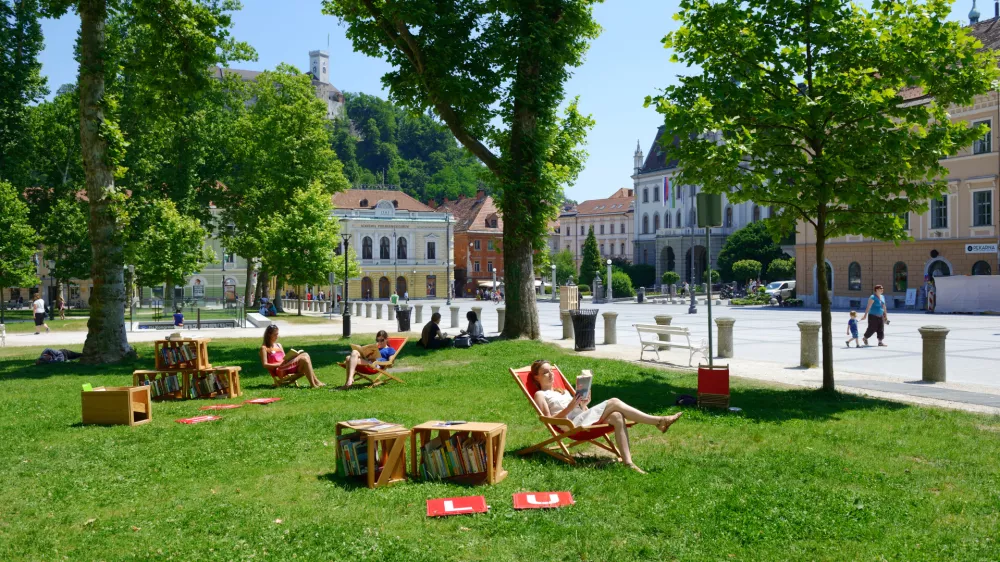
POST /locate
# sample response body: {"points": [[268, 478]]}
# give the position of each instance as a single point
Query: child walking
{"points": [[852, 329]]}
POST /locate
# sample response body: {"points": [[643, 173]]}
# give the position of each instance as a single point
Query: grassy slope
{"points": [[797, 476]]}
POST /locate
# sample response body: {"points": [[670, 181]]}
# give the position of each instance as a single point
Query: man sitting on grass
{"points": [[354, 359], [432, 337]]}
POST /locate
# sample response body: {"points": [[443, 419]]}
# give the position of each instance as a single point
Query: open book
{"points": [[292, 354], [583, 383], [369, 352]]}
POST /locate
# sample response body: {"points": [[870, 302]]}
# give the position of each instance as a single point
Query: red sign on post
{"points": [[456, 506], [538, 500]]}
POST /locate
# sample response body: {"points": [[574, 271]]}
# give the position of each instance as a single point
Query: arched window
{"points": [[366, 248], [939, 269], [981, 268], [645, 255], [666, 220], [656, 222], [645, 195], [623, 249], [693, 219], [756, 213], [401, 248], [671, 259], [679, 224], [645, 224], [829, 276], [899, 277], [854, 276], [729, 216], [383, 249]]}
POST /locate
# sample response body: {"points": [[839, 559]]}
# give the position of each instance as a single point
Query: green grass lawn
{"points": [[67, 325], [797, 476]]}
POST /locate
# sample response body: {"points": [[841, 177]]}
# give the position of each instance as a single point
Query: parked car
{"points": [[780, 289]]}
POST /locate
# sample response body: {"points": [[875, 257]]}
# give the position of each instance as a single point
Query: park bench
{"points": [[258, 320], [650, 341]]}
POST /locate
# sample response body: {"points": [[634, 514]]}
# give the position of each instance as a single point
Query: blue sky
{"points": [[624, 65]]}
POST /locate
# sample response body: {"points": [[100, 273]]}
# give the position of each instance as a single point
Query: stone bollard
{"points": [[479, 312], [610, 327], [501, 317], [418, 319], [567, 322], [704, 288], [357, 309], [378, 311], [673, 290], [454, 316], [725, 341], [368, 310], [435, 309], [663, 320], [392, 312], [809, 347], [934, 358]]}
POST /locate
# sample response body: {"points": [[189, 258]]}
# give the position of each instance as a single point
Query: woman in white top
{"points": [[557, 403]]}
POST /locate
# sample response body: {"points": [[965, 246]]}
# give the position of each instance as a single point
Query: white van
{"points": [[783, 289]]}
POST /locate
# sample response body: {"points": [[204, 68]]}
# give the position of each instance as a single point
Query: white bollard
{"points": [[934, 368], [725, 345], [610, 327], [809, 346]]}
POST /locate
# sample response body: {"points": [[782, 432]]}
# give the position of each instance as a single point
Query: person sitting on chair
{"points": [[354, 359], [179, 318], [272, 356], [557, 403], [431, 336], [475, 331]]}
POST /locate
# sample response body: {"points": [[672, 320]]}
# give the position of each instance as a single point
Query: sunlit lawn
{"points": [[797, 476]]}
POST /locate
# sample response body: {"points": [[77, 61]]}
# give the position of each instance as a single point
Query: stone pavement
{"points": [[766, 344]]}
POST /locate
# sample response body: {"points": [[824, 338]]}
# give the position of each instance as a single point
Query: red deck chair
{"points": [[564, 435], [377, 372]]}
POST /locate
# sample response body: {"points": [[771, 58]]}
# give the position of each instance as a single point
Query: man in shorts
{"points": [[38, 307]]}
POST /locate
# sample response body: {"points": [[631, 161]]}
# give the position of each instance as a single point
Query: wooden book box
{"points": [[116, 405]]}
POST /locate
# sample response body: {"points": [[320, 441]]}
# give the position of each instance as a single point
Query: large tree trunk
{"points": [[263, 286], [248, 292], [279, 285], [824, 303], [107, 340]]}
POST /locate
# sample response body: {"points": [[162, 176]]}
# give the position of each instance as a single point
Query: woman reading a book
{"points": [[367, 355], [558, 403], [272, 355]]}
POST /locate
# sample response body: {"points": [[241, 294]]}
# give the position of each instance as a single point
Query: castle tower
{"points": [[637, 158], [973, 13], [319, 66]]}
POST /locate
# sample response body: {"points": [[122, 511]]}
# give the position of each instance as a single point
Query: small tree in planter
{"points": [[670, 278], [746, 270]]}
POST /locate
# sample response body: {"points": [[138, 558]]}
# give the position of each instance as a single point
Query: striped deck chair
{"points": [[378, 372]]}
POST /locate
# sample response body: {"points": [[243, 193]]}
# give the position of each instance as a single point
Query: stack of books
{"points": [[180, 354], [353, 453], [207, 385], [456, 456], [163, 385]]}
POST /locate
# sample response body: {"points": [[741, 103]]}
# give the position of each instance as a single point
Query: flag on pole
{"points": [[666, 190]]}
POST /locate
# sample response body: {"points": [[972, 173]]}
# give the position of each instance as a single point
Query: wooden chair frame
{"points": [[378, 372], [564, 436]]}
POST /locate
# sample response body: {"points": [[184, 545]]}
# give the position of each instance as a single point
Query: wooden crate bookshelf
{"points": [[161, 384], [491, 436], [116, 405], [182, 355], [386, 462]]}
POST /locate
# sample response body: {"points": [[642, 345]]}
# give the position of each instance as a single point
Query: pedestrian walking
{"points": [[877, 316], [62, 308], [38, 307], [852, 330]]}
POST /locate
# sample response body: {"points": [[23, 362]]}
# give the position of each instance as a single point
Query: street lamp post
{"points": [[447, 258], [131, 298], [609, 282], [553, 299], [692, 309], [413, 283], [347, 307], [395, 257]]}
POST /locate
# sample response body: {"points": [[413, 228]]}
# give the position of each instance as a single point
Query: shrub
{"points": [[670, 278], [715, 276], [780, 270], [746, 269], [583, 288], [621, 284], [642, 275]]}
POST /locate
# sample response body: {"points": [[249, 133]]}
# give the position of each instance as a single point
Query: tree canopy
{"points": [[752, 242], [590, 261], [18, 243], [799, 104], [21, 82]]}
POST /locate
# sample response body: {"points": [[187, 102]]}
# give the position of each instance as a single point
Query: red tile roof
{"points": [[472, 213], [353, 199], [613, 205]]}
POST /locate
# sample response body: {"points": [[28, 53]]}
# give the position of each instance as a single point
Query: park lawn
{"points": [[292, 318], [797, 476], [67, 325]]}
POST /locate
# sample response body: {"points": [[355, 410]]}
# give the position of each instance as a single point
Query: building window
{"points": [[401, 248], [645, 224], [602, 249], [939, 269], [679, 225], [230, 257], [693, 219], [854, 276], [567, 231], [645, 256], [645, 195], [383, 248], [656, 222], [939, 213], [623, 249], [489, 267], [729, 217], [680, 192], [829, 276], [756, 213], [656, 194], [432, 286], [489, 245], [581, 231], [982, 208], [612, 227], [899, 277], [568, 248], [621, 228], [981, 268], [475, 267], [602, 229], [477, 245], [431, 251], [366, 248], [905, 217], [983, 145]]}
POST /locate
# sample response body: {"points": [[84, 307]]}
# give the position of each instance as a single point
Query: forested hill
{"points": [[413, 151]]}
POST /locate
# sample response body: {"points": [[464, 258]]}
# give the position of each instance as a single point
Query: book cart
{"points": [[470, 453], [183, 371], [377, 457]]}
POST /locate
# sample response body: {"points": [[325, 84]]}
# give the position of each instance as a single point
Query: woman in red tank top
{"points": [[272, 356]]}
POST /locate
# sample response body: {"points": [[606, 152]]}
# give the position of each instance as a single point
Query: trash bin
{"points": [[584, 328], [641, 295], [403, 319]]}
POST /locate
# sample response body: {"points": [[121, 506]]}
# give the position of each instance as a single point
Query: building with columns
{"points": [[665, 218], [611, 220], [402, 244]]}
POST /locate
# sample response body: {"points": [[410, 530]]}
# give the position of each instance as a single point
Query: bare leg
{"points": [[305, 363], [352, 366], [617, 406], [617, 421]]}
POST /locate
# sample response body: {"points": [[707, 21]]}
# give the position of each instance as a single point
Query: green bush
{"points": [[670, 278], [642, 275], [715, 275], [746, 269], [780, 270], [583, 288], [621, 284]]}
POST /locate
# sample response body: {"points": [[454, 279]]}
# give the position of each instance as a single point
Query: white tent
{"points": [[967, 293]]}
